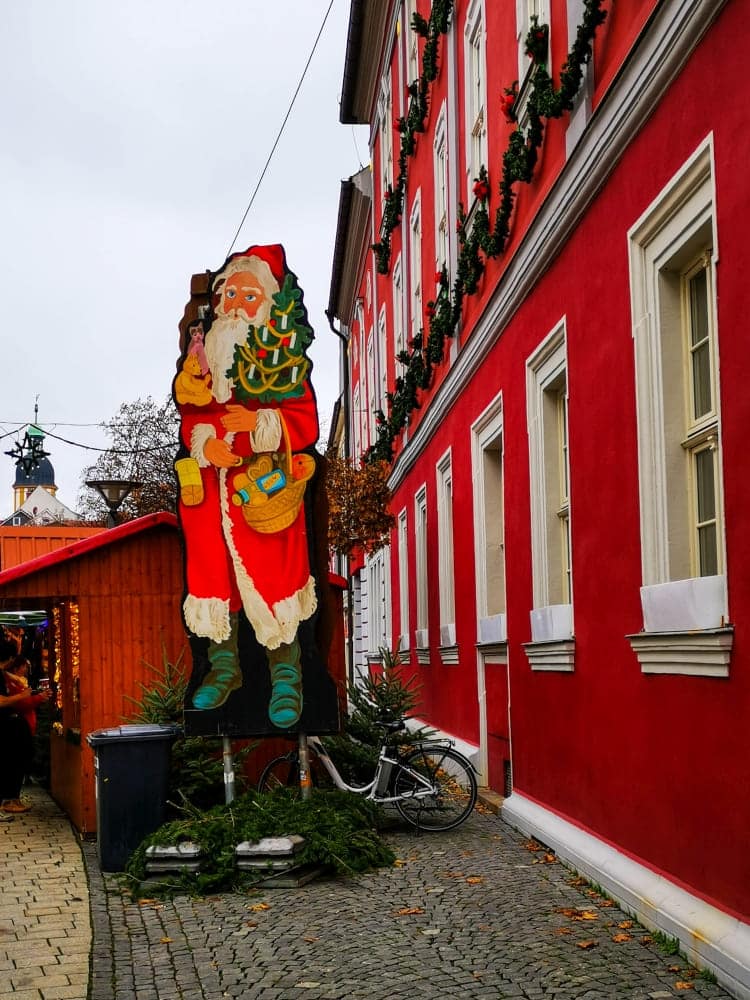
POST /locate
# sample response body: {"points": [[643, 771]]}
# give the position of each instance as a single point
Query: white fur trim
{"points": [[207, 616], [272, 626], [267, 433], [201, 434]]}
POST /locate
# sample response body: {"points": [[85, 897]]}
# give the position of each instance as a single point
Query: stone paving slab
{"points": [[45, 929], [477, 912]]}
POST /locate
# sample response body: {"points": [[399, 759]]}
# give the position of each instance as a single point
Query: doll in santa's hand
{"points": [[253, 409]]}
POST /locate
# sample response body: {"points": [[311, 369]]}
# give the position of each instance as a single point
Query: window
{"points": [[672, 270], [487, 460], [526, 11], [372, 402], [415, 266], [382, 369], [446, 587], [421, 638], [440, 167], [547, 401], [581, 110], [411, 41], [385, 132], [403, 580], [399, 340], [475, 95], [378, 624], [357, 422]]}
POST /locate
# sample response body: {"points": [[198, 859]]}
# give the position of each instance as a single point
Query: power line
{"points": [[283, 125]]}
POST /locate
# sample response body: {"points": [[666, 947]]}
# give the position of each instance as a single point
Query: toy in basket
{"points": [[271, 487]]}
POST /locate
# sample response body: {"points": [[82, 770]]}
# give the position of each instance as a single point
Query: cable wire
{"points": [[281, 130]]}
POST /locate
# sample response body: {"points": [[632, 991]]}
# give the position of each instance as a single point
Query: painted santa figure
{"points": [[249, 425]]}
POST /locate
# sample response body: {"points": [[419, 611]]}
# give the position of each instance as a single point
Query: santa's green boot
{"points": [[285, 704], [224, 676]]}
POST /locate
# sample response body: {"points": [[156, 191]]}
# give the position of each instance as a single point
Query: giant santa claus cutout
{"points": [[247, 473]]}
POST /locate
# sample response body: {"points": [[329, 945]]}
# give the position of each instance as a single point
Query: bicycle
{"points": [[430, 783]]}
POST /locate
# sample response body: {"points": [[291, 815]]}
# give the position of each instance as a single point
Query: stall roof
{"points": [[76, 549]]}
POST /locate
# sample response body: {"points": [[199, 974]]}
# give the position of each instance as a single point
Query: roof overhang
{"points": [[352, 240], [364, 44]]}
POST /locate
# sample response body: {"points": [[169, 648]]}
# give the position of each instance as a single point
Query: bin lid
{"points": [[132, 732]]}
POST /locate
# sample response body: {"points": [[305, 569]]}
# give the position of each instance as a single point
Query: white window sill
{"points": [[551, 655], [423, 655], [493, 652], [449, 654], [699, 653]]}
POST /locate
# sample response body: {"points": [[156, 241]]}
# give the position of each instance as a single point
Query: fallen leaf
{"points": [[475, 880], [453, 875], [625, 924], [563, 930], [619, 938], [531, 845], [587, 915], [250, 923], [165, 940], [147, 902], [409, 911], [549, 859], [679, 985], [257, 907], [311, 940], [607, 903], [646, 939], [399, 863], [577, 881], [586, 944], [466, 854], [673, 968]]}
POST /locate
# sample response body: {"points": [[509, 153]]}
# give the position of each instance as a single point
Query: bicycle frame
{"points": [[371, 789]]}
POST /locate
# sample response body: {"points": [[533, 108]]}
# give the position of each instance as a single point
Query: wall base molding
{"points": [[709, 937]]}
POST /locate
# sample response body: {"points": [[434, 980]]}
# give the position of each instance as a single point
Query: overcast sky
{"points": [[133, 135]]}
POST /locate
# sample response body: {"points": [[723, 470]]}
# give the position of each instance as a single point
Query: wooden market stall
{"points": [[113, 606]]}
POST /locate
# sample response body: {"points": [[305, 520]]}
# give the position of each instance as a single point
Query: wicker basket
{"points": [[281, 509]]}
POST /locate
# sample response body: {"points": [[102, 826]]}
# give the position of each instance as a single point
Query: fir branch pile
{"points": [[479, 241], [339, 831]]}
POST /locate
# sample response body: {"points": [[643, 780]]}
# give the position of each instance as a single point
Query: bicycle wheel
{"points": [[455, 788], [283, 772]]}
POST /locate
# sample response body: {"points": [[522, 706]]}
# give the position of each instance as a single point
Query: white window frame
{"points": [[581, 110], [371, 389], [378, 604], [382, 366], [399, 326], [357, 422], [446, 557], [421, 634], [385, 133], [442, 197], [487, 436], [525, 10], [415, 266], [685, 618], [475, 94], [402, 526], [552, 645], [411, 43]]}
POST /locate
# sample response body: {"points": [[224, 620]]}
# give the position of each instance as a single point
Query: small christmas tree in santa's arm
{"points": [[271, 365]]}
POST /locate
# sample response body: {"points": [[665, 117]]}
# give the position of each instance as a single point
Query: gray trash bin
{"points": [[132, 775]]}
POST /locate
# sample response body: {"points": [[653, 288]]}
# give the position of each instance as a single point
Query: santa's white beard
{"points": [[225, 334]]}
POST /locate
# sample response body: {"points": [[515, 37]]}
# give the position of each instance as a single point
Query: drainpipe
{"points": [[347, 454]]}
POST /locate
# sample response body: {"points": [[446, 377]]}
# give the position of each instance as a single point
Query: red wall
{"points": [[656, 765]]}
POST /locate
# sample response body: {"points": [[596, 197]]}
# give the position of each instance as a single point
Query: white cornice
{"points": [[671, 36]]}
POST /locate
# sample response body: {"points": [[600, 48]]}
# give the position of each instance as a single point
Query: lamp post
{"points": [[113, 492]]}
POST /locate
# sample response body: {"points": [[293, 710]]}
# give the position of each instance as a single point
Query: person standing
{"points": [[16, 744]]}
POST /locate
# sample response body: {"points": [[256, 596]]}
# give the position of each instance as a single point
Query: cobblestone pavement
{"points": [[45, 934], [473, 913]]}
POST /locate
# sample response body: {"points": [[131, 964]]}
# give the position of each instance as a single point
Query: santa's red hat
{"points": [[273, 255]]}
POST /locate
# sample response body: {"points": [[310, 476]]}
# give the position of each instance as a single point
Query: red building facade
{"points": [[567, 574]]}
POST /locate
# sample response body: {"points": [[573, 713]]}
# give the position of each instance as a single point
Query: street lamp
{"points": [[113, 492]]}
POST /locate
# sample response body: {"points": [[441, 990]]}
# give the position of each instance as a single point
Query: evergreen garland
{"points": [[519, 161]]}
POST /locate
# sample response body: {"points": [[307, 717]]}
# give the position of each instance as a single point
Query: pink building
{"points": [[568, 575]]}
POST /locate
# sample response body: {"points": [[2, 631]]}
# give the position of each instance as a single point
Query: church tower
{"points": [[33, 468]]}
